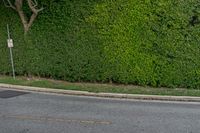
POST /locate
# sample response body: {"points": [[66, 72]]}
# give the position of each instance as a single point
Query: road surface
{"points": [[49, 113]]}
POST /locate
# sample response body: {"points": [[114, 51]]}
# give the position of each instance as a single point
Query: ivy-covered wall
{"points": [[149, 42]]}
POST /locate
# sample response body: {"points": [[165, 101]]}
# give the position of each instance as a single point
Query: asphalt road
{"points": [[48, 113]]}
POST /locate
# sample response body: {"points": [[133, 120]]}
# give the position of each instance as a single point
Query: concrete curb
{"points": [[104, 95]]}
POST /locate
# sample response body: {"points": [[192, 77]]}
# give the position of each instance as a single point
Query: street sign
{"points": [[10, 43], [10, 46]]}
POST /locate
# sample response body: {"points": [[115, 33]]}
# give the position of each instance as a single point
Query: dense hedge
{"points": [[145, 42]]}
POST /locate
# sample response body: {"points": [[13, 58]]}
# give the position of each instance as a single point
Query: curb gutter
{"points": [[104, 95]]}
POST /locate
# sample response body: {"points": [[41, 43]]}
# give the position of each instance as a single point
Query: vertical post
{"points": [[11, 53]]}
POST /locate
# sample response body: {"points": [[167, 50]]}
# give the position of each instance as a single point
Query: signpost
{"points": [[10, 46]]}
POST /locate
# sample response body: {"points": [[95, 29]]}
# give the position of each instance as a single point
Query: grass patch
{"points": [[97, 88]]}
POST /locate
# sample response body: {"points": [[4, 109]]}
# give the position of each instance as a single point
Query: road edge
{"points": [[103, 95]]}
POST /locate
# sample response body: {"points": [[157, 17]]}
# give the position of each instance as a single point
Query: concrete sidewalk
{"points": [[105, 95]]}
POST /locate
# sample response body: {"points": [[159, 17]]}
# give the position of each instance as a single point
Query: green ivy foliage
{"points": [[143, 42]]}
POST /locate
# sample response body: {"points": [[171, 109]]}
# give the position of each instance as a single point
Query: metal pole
{"points": [[11, 54], [8, 31]]}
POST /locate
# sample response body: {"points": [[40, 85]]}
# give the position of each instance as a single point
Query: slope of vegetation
{"points": [[150, 42]]}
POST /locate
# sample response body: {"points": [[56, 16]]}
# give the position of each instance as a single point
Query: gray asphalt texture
{"points": [[48, 113]]}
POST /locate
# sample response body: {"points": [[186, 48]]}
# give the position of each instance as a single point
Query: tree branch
{"points": [[9, 4], [18, 6], [33, 6]]}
